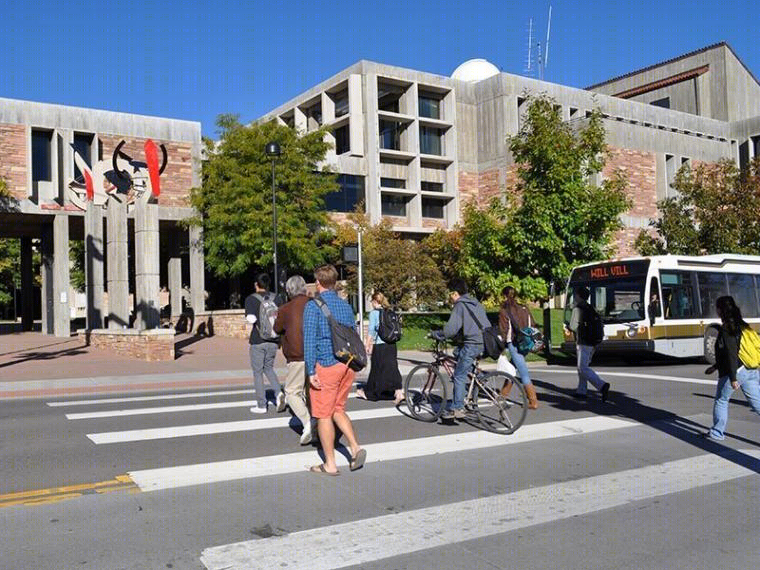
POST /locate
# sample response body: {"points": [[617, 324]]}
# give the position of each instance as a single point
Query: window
{"points": [[756, 144], [42, 155], [389, 96], [432, 208], [670, 173], [83, 147], [616, 300], [664, 103], [655, 304], [426, 186], [429, 107], [393, 182], [678, 299], [742, 289], [341, 104], [393, 205], [350, 194], [342, 140], [431, 140], [711, 286], [390, 135]]}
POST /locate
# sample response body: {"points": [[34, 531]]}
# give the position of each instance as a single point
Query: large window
{"points": [[426, 186], [429, 107], [350, 194], [393, 205], [83, 146], [432, 208], [390, 135], [42, 155], [711, 286], [678, 297], [341, 104], [616, 300], [742, 289], [392, 182], [431, 140], [342, 140]]}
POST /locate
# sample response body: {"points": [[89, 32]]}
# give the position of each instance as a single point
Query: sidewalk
{"points": [[34, 365]]}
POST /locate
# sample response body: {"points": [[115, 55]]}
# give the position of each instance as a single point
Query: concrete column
{"points": [[197, 276], [27, 285], [175, 275], [93, 259], [46, 268], [118, 269], [372, 182], [61, 281], [147, 266], [356, 115]]}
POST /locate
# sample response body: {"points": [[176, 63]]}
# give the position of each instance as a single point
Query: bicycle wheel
{"points": [[499, 414], [425, 393]]}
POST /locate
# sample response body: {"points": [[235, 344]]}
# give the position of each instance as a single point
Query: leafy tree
{"points": [[9, 255], [562, 217], [715, 211], [235, 199]]}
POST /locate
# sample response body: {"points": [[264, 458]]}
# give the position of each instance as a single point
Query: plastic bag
{"points": [[504, 365]]}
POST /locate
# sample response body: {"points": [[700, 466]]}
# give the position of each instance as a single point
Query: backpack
{"points": [[348, 347], [529, 339], [591, 329], [267, 315], [493, 342], [749, 349], [389, 328]]}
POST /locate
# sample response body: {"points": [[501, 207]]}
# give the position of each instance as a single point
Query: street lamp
{"points": [[273, 152]]}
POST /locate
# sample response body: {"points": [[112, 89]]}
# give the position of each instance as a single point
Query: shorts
{"points": [[336, 383]]}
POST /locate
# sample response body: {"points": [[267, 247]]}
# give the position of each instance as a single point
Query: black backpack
{"points": [[493, 341], [389, 328], [348, 347], [591, 328]]}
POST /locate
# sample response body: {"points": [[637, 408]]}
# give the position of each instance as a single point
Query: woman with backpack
{"points": [[384, 376], [513, 318], [733, 372]]}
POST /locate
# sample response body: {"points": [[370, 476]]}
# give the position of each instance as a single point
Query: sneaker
{"points": [[280, 402], [459, 414], [259, 409], [708, 436], [447, 415], [605, 390], [306, 437]]}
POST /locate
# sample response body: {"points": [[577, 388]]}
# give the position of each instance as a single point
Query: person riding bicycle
{"points": [[465, 329]]}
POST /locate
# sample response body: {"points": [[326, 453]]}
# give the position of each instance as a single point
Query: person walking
{"points": [[330, 379], [260, 310], [732, 372], [580, 323], [289, 324], [465, 324], [514, 317], [384, 376]]}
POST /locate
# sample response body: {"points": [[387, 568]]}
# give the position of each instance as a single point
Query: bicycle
{"points": [[426, 394]]}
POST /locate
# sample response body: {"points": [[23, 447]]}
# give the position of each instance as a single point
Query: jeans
{"points": [[262, 364], [519, 361], [748, 382], [585, 374], [465, 355]]}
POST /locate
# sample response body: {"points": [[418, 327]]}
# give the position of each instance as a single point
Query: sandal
{"points": [[399, 397], [360, 394], [321, 470], [357, 462]]}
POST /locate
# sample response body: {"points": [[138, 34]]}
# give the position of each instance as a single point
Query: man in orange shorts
{"points": [[330, 380]]}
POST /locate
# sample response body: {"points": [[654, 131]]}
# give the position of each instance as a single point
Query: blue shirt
{"points": [[317, 340], [374, 324]]}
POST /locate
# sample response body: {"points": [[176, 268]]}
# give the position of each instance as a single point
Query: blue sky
{"points": [[195, 60]]}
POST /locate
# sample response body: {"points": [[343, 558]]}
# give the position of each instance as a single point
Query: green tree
{"points": [[235, 198], [715, 210], [562, 217], [9, 254]]}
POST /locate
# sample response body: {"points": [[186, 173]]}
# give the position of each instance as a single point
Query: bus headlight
{"points": [[631, 332]]}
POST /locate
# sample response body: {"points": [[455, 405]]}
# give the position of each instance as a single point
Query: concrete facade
{"points": [[423, 144]]}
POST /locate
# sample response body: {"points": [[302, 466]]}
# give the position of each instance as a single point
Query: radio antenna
{"points": [[548, 29], [528, 68]]}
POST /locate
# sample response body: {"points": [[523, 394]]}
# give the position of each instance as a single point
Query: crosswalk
{"points": [[374, 539]]}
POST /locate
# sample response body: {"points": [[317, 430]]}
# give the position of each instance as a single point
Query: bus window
{"points": [[655, 304], [711, 286], [678, 299], [742, 289]]}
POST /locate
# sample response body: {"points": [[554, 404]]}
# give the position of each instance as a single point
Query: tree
{"points": [[235, 198], [561, 218], [714, 211], [9, 255]]}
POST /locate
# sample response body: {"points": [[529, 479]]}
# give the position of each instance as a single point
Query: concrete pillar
{"points": [[93, 259], [61, 282], [175, 275], [197, 277], [118, 269], [147, 266], [46, 268], [27, 285], [356, 114]]}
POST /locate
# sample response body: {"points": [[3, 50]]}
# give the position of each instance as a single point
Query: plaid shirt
{"points": [[317, 340]]}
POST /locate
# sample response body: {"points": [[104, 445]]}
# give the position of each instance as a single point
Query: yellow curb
{"points": [[55, 494]]}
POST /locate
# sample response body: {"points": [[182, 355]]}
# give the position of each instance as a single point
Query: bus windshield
{"points": [[616, 300]]}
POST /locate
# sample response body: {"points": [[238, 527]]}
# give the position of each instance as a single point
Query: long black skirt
{"points": [[384, 376]]}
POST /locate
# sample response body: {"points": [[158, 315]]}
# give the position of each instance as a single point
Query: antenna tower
{"points": [[529, 63]]}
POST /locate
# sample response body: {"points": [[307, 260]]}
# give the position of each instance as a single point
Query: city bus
{"points": [[665, 304]]}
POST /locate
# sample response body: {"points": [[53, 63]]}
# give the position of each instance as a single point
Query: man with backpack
{"points": [[587, 325], [330, 378], [261, 310]]}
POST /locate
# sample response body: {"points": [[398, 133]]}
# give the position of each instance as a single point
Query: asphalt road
{"points": [[194, 480]]}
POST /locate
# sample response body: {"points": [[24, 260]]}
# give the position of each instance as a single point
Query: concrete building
{"points": [[415, 145], [38, 143]]}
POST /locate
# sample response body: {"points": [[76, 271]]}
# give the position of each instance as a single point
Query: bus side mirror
{"points": [[654, 311]]}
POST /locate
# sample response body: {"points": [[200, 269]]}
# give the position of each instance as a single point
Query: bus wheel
{"points": [[711, 336]]}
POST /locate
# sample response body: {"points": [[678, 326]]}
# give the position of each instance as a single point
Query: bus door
{"points": [[680, 311]]}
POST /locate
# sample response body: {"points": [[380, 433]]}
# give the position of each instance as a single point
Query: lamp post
{"points": [[273, 152]]}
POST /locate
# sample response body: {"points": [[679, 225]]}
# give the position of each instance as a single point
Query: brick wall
{"points": [[229, 323], [13, 168], [152, 345], [640, 169]]}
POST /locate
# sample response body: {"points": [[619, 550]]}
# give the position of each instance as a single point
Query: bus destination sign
{"points": [[614, 270]]}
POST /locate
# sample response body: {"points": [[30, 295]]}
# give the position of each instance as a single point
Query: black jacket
{"points": [[727, 354]]}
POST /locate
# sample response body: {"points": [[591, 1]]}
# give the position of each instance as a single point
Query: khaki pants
{"points": [[295, 394]]}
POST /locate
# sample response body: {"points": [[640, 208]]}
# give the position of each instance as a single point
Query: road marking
{"points": [[634, 375], [373, 539], [148, 398], [187, 475], [56, 494]]}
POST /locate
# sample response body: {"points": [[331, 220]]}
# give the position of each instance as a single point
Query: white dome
{"points": [[475, 70]]}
